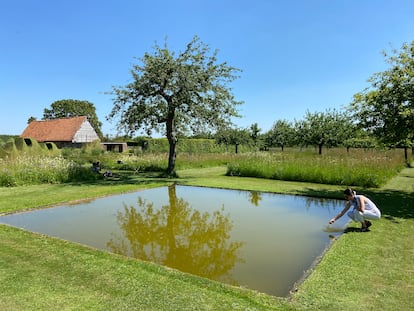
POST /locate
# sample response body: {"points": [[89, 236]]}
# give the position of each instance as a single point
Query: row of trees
{"points": [[189, 94], [330, 128]]}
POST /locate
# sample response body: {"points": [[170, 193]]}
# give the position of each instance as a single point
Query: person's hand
{"points": [[332, 221]]}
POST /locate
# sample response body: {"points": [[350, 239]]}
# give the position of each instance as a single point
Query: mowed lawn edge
{"points": [[361, 271], [372, 270], [41, 273], [340, 282]]}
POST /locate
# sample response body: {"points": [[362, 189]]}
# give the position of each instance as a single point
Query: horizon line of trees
{"points": [[319, 129], [188, 94]]}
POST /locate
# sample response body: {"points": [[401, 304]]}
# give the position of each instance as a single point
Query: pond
{"points": [[261, 241]]}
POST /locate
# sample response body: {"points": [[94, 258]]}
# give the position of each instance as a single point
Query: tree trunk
{"points": [[172, 140], [172, 155], [320, 148], [171, 255]]}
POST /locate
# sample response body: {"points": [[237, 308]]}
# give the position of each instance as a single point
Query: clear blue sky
{"points": [[296, 55]]}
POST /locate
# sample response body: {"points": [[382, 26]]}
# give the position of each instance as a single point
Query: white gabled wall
{"points": [[85, 134]]}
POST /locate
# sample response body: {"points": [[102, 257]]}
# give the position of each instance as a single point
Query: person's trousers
{"points": [[358, 216]]}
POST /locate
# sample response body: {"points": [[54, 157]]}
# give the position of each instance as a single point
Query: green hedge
{"points": [[192, 145]]}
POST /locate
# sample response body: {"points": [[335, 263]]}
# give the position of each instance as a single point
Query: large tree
{"points": [[386, 107], [254, 133], [281, 134], [329, 128], [67, 108], [176, 94], [233, 136]]}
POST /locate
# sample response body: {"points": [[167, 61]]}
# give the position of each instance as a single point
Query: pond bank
{"points": [[40, 273]]}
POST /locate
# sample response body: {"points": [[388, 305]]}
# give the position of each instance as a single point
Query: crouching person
{"points": [[363, 209]]}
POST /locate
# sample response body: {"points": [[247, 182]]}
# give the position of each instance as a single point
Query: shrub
{"points": [[193, 145]]}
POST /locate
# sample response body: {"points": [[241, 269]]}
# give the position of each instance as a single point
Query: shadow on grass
{"points": [[353, 229], [127, 178], [394, 204]]}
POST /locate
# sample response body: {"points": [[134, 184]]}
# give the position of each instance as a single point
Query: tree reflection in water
{"points": [[178, 236], [255, 197]]}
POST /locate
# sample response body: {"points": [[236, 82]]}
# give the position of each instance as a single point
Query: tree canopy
{"points": [[386, 107], [233, 136], [67, 108], [176, 94], [329, 128], [281, 134]]}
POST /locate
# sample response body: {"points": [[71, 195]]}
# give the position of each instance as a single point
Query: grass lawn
{"points": [[361, 271]]}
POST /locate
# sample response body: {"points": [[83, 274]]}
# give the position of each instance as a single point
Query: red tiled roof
{"points": [[63, 129]]}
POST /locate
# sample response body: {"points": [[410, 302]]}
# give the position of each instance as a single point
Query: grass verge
{"points": [[369, 271], [372, 270], [40, 273]]}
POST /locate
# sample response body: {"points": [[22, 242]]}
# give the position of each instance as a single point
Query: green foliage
{"points": [[31, 146], [255, 133], [198, 146], [176, 95], [27, 169], [191, 145], [6, 138], [320, 129], [151, 162], [93, 148], [234, 136], [27, 146], [157, 145], [387, 107], [88, 153], [52, 148], [282, 134], [366, 143], [74, 108], [368, 168], [357, 168], [20, 144], [8, 150]]}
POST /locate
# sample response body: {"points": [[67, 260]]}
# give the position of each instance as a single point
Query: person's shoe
{"points": [[364, 229], [368, 224]]}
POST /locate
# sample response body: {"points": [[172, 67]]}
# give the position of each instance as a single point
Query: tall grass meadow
{"points": [[358, 167], [366, 168], [37, 169], [157, 162]]}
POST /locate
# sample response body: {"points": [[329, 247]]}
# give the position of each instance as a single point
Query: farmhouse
{"points": [[64, 132]]}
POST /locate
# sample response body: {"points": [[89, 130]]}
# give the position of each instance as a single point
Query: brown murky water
{"points": [[257, 240]]}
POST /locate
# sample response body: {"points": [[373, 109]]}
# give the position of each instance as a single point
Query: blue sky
{"points": [[296, 55]]}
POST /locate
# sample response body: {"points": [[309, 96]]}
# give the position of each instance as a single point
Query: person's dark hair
{"points": [[348, 191]]}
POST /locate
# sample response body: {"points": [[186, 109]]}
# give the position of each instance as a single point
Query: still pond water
{"points": [[262, 241]]}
